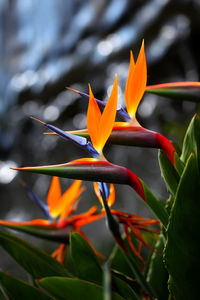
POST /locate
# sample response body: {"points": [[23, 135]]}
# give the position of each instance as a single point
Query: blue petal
{"points": [[80, 141], [44, 207], [77, 140], [103, 189], [120, 111]]}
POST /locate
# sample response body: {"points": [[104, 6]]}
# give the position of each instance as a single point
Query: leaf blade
{"points": [[182, 248], [20, 289], [84, 259], [33, 260], [74, 289]]}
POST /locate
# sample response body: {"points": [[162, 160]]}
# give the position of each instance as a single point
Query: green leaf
{"points": [[169, 203], [122, 288], [179, 165], [117, 260], [119, 263], [17, 289], [60, 235], [74, 289], [155, 205], [84, 259], [139, 275], [189, 91], [35, 261], [191, 141], [182, 249], [168, 172], [157, 275], [128, 265]]}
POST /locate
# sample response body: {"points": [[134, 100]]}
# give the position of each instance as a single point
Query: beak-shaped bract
{"points": [[95, 170], [188, 90]]}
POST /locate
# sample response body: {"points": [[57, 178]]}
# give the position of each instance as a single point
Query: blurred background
{"points": [[47, 45]]}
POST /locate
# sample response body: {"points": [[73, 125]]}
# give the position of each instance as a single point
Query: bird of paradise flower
{"points": [[98, 168], [130, 132], [60, 218]]}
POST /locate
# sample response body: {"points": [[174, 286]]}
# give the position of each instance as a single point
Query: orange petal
{"points": [[75, 218], [100, 126], [111, 197], [40, 222], [108, 117], [66, 201], [136, 83], [82, 161], [93, 119], [60, 253], [71, 198], [54, 195], [121, 124], [97, 192], [81, 219], [148, 229], [87, 220], [37, 222], [138, 235]]}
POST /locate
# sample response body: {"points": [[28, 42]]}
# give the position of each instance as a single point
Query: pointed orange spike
{"points": [[53, 196], [148, 229], [111, 197], [89, 219], [81, 219], [66, 201], [136, 83], [77, 219], [60, 253], [97, 192], [100, 126], [75, 204], [108, 117], [138, 235], [93, 119], [40, 222]]}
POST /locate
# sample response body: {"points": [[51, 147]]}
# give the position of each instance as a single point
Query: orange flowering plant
{"points": [[153, 258]]}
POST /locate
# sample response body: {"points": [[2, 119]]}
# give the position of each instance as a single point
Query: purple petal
{"points": [[103, 189], [44, 207], [120, 111]]}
